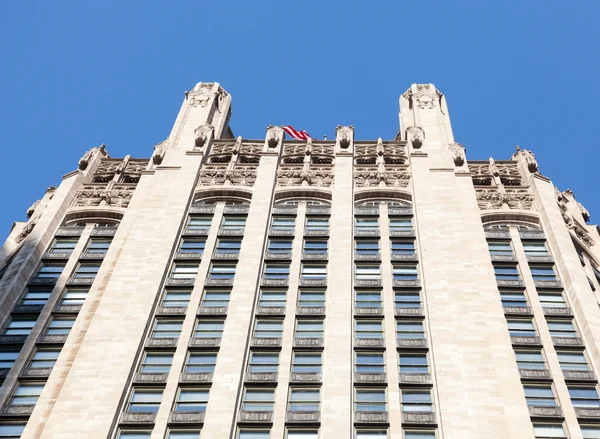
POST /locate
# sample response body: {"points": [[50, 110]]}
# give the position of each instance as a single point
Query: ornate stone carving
{"points": [[480, 173], [32, 208], [584, 211], [91, 196], [87, 157], [159, 152], [458, 153], [345, 135], [25, 232], [274, 134], [529, 159], [201, 96], [416, 136], [490, 199], [201, 134], [493, 168]]}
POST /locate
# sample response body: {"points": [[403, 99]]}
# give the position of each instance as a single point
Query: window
{"points": [[272, 298], [63, 245], [280, 245], [201, 362], [584, 396], [222, 271], [167, 328], [368, 299], [572, 360], [304, 400], [539, 396], [183, 434], [184, 271], [500, 247], [228, 245], [20, 326], [44, 358], [550, 431], [535, 248], [590, 431], [416, 400], [302, 434], [233, 223], [403, 247], [366, 223], [260, 400], [60, 326], [209, 329], [176, 298], [314, 271], [401, 224], [410, 329], [283, 223], [191, 400], [277, 271], [10, 431], [561, 328], [36, 297], [26, 394], [134, 434], [506, 272], [247, 433], [521, 328], [74, 296], [309, 329], [314, 246], [87, 270], [413, 363], [543, 273], [8, 357], [263, 362], [316, 223], [530, 359], [215, 298], [369, 329], [156, 362], [370, 400], [311, 298], [199, 222], [407, 299], [550, 299], [369, 362], [98, 246], [414, 434], [405, 272], [306, 362], [367, 272], [513, 299], [266, 328], [189, 245], [144, 400], [50, 271], [371, 434], [367, 247]]}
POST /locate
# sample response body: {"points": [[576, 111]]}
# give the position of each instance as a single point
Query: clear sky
{"points": [[76, 74]]}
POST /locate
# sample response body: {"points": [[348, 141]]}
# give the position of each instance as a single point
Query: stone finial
{"points": [[584, 212], [345, 137], [159, 152], [238, 145], [32, 208], [458, 153], [274, 136], [202, 133], [309, 146], [85, 160], [379, 146], [493, 168], [415, 136], [529, 158]]}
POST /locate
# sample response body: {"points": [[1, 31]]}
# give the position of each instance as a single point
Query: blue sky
{"points": [[76, 74]]}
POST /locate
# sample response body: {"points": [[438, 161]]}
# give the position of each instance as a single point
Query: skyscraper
{"points": [[229, 288]]}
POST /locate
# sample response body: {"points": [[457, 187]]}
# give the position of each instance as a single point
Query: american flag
{"points": [[297, 135]]}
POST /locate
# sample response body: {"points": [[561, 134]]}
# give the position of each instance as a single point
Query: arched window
{"points": [[295, 201]]}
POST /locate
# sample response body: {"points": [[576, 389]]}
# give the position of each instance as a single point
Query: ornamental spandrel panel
{"points": [[370, 378], [240, 210], [186, 417], [315, 210], [279, 256], [372, 343], [80, 281], [128, 418], [270, 342], [419, 418], [510, 283], [67, 309], [411, 343], [310, 311], [301, 342], [366, 211], [210, 282], [588, 413], [255, 416], [580, 376], [270, 310], [536, 258], [150, 378], [548, 284], [315, 256], [52, 338], [161, 342], [302, 417], [213, 310], [92, 197], [517, 310], [185, 256], [567, 342], [493, 199], [416, 379], [225, 256], [402, 233], [274, 282], [261, 377], [171, 310], [231, 232], [414, 283], [525, 341], [54, 255], [104, 231], [558, 312], [535, 374], [404, 257], [69, 231], [368, 311], [281, 232], [545, 412], [497, 235], [199, 210], [371, 417], [400, 211], [313, 282], [367, 257], [367, 283], [16, 411], [195, 232], [503, 258], [408, 312], [35, 372], [538, 235], [192, 377], [285, 211], [318, 232], [197, 342], [27, 309], [12, 339], [366, 232], [46, 281], [306, 377]]}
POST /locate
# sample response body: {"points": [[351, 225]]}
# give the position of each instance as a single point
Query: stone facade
{"points": [[335, 288]]}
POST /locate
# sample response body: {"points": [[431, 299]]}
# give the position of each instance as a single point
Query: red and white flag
{"points": [[297, 135]]}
